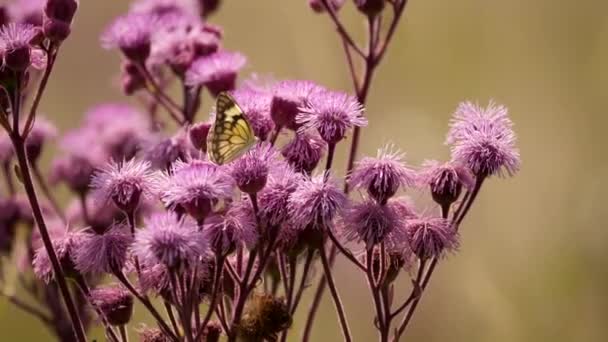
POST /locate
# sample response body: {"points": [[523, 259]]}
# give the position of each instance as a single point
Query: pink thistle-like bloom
{"points": [[15, 45], [218, 71], [256, 105], [234, 227], [483, 140], [373, 223], [332, 114], [304, 152], [315, 203], [383, 175], [250, 172], [170, 241], [132, 34], [274, 198], [42, 131], [64, 243], [287, 97], [115, 302], [125, 183], [103, 252], [319, 7], [195, 186], [163, 152], [431, 237], [404, 206], [26, 11], [445, 180], [75, 171]]}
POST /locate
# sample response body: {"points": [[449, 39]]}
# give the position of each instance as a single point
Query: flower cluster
{"points": [[153, 215]]}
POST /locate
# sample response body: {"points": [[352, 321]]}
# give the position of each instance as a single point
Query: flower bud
{"points": [[115, 303], [370, 7], [56, 30]]}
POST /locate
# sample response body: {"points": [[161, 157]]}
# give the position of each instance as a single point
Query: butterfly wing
{"points": [[232, 134]]}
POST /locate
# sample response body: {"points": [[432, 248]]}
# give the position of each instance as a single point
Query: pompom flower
{"points": [[195, 186], [115, 302], [274, 198], [132, 34], [315, 203], [64, 243], [15, 48], [75, 171], [98, 253], [125, 183], [445, 180], [250, 172], [304, 152], [163, 152], [287, 97], [483, 140], [431, 237], [256, 105], [383, 175], [234, 227], [373, 223], [218, 71], [170, 241], [332, 114]]}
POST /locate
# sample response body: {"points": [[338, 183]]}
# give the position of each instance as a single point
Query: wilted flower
{"points": [[103, 252], [332, 114], [430, 237], [124, 183], [170, 241], [115, 302], [264, 317], [382, 176], [483, 140], [218, 71]]}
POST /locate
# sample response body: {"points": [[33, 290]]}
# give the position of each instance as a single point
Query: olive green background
{"points": [[533, 264]]}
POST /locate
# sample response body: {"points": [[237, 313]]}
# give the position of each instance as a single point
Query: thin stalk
{"points": [[47, 192], [50, 62], [304, 277], [334, 292], [171, 315], [19, 145], [371, 281], [123, 333], [161, 97], [85, 210], [215, 293], [84, 287]]}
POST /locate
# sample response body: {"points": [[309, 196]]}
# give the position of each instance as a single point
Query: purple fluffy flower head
{"points": [[57, 20], [64, 243], [167, 240], [483, 140], [115, 302], [250, 172], [431, 237], [195, 187], [287, 98], [198, 134], [274, 198], [445, 180], [315, 203], [103, 252], [304, 152], [256, 105], [75, 171], [125, 183], [42, 131], [26, 11], [132, 34], [332, 114], [217, 72], [232, 228], [373, 223], [163, 152], [382, 176], [319, 7], [15, 45]]}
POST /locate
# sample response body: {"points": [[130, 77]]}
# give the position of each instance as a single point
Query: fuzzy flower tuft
{"points": [[125, 183], [163, 152], [373, 223], [170, 241], [15, 48], [64, 243], [234, 227], [304, 152], [256, 105], [382, 176], [332, 114], [218, 71], [132, 34], [315, 203], [251, 170], [483, 140], [115, 302], [431, 237], [274, 198], [195, 186], [103, 253], [287, 97]]}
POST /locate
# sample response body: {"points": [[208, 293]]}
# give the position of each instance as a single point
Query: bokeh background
{"points": [[533, 265]]}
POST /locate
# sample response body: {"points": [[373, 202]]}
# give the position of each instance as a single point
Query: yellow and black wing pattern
{"points": [[231, 134]]}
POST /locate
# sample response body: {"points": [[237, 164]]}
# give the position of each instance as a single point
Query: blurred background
{"points": [[533, 264]]}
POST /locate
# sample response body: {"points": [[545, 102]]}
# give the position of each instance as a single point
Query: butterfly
{"points": [[231, 134]]}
